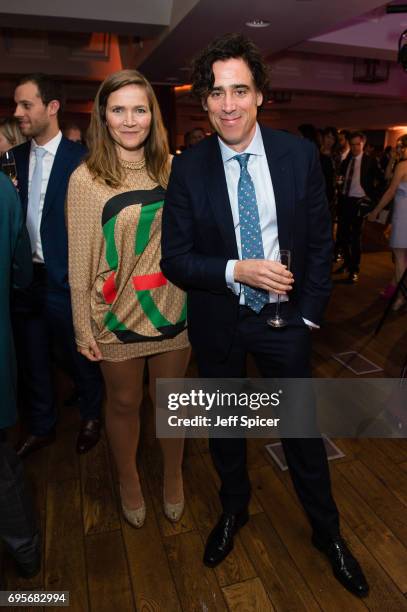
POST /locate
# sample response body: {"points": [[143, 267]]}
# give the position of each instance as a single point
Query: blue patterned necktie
{"points": [[250, 232], [34, 198]]}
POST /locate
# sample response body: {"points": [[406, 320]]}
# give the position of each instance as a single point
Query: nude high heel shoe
{"points": [[135, 517], [173, 512]]}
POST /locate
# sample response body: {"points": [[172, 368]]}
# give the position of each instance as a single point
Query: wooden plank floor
{"points": [[109, 566]]}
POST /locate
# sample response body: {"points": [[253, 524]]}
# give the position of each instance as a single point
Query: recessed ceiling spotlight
{"points": [[258, 23]]}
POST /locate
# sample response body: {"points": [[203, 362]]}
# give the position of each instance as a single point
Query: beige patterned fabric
{"points": [[89, 269]]}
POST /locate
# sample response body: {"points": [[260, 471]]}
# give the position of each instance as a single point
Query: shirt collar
{"points": [[256, 147], [51, 146]]}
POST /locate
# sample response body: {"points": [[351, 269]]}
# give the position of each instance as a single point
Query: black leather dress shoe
{"points": [[89, 435], [31, 568], [341, 270], [345, 567], [34, 443], [28, 558], [72, 400], [220, 540], [352, 278]]}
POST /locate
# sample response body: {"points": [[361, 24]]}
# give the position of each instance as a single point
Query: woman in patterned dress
{"points": [[126, 314]]}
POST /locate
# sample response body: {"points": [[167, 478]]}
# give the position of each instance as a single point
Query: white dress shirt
{"points": [[51, 148], [356, 190], [259, 171]]}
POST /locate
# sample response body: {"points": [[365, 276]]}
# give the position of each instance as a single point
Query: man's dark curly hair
{"points": [[223, 48]]}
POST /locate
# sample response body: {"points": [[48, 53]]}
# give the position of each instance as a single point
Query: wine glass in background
{"points": [[284, 257], [8, 165]]}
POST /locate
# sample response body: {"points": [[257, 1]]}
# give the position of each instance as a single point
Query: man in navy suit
{"points": [[206, 237], [42, 313]]}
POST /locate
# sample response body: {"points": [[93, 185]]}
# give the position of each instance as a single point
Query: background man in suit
{"points": [[42, 312], [344, 151], [208, 249], [362, 177]]}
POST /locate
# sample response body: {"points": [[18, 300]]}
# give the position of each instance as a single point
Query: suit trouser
{"points": [[340, 238], [278, 353], [351, 234], [16, 509], [43, 317]]}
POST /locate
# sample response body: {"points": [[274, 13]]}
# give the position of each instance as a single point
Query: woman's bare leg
{"points": [[124, 390], [172, 364], [400, 257]]}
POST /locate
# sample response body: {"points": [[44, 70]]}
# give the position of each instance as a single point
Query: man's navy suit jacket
{"points": [[53, 231], [198, 235]]}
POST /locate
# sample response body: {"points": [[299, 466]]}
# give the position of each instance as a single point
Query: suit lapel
{"points": [[22, 160], [282, 178], [58, 172], [345, 164], [219, 198], [364, 167]]}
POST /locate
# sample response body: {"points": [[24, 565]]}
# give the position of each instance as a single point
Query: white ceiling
{"points": [[292, 22]]}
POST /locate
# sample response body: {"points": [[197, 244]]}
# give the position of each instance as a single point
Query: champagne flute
{"points": [[8, 165], [284, 257]]}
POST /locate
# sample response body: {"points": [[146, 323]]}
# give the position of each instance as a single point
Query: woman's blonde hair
{"points": [[102, 159], [11, 131]]}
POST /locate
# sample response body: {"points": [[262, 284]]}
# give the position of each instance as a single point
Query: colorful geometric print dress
{"points": [[119, 295]]}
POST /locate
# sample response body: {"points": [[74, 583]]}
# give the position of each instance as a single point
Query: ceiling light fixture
{"points": [[258, 23], [370, 70], [396, 8]]}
